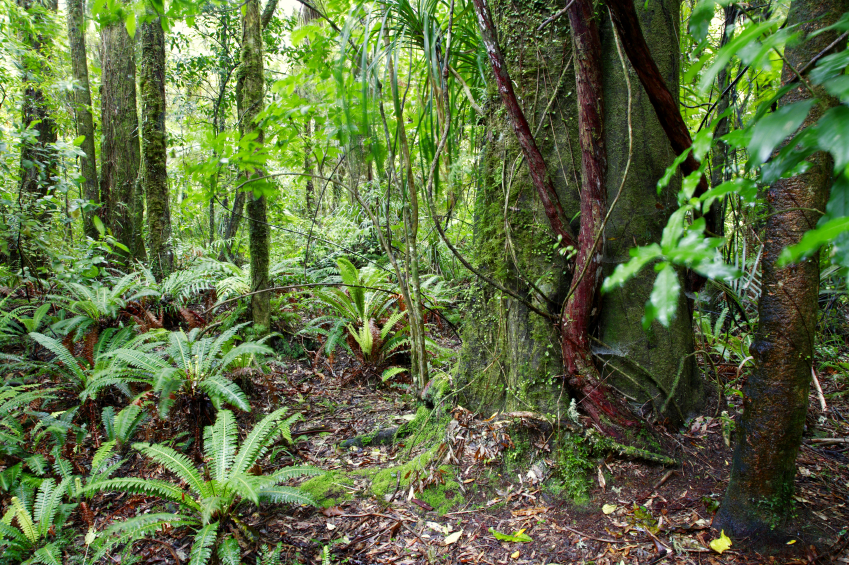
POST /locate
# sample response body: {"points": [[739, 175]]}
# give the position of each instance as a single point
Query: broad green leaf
{"points": [[832, 131], [640, 257], [775, 128], [663, 301], [813, 240]]}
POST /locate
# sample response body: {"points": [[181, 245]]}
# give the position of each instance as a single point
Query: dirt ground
{"points": [[442, 493]]}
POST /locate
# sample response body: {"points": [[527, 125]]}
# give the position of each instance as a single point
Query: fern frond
{"points": [[229, 552], [286, 495], [221, 390], [150, 487], [177, 463], [25, 523], [220, 444], [256, 443], [287, 473], [202, 548]]}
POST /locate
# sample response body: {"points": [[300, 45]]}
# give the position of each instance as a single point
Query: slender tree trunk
{"points": [[154, 145], [120, 154], [253, 92], [39, 165], [309, 192], [83, 110], [759, 496]]}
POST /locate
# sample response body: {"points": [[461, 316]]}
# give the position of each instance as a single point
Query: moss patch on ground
{"points": [[329, 489]]}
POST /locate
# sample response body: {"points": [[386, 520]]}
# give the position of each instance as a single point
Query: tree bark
{"points": [[665, 103], [759, 496], [510, 354], [154, 145], [120, 153], [38, 157], [253, 92], [83, 111]]}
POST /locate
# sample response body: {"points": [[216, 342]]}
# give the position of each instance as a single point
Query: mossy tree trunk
{"points": [[83, 111], [152, 86], [759, 496], [512, 358], [657, 365], [120, 154], [253, 92]]}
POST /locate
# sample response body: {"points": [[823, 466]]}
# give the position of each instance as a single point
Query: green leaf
{"points": [[832, 136], [663, 301], [813, 240], [640, 257], [775, 128], [516, 537], [79, 140], [702, 15]]}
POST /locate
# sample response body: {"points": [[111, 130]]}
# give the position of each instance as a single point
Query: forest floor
{"points": [[440, 494]]}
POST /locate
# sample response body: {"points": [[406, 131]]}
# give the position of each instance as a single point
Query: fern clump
{"points": [[212, 497], [195, 365], [362, 317], [31, 529]]}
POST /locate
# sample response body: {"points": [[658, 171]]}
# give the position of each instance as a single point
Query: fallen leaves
{"points": [[721, 544], [516, 537]]}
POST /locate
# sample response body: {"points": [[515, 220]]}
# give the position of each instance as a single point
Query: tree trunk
{"points": [[38, 157], [759, 496], [154, 140], [511, 357], [83, 110], [253, 92], [654, 365], [120, 154], [309, 193]]}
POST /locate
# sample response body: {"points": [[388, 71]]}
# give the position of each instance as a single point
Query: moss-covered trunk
{"points": [[83, 110], [655, 364], [152, 87], [120, 154], [512, 357], [253, 92], [775, 399]]}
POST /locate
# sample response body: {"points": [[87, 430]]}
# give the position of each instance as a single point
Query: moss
{"points": [[442, 497], [424, 428], [329, 489]]}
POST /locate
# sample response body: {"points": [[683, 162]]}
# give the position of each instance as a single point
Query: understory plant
{"points": [[194, 365], [99, 366], [360, 315], [31, 529], [213, 496]]}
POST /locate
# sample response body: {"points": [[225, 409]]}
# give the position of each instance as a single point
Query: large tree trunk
{"points": [[120, 154], [511, 356], [83, 110], [152, 87], [775, 399], [657, 364], [253, 92]]}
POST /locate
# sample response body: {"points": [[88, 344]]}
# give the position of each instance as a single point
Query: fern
{"points": [[230, 481]]}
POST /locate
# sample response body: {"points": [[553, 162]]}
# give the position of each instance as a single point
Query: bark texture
{"points": [[83, 110], [758, 500], [656, 364], [253, 92], [512, 358], [38, 157], [154, 145], [120, 155]]}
